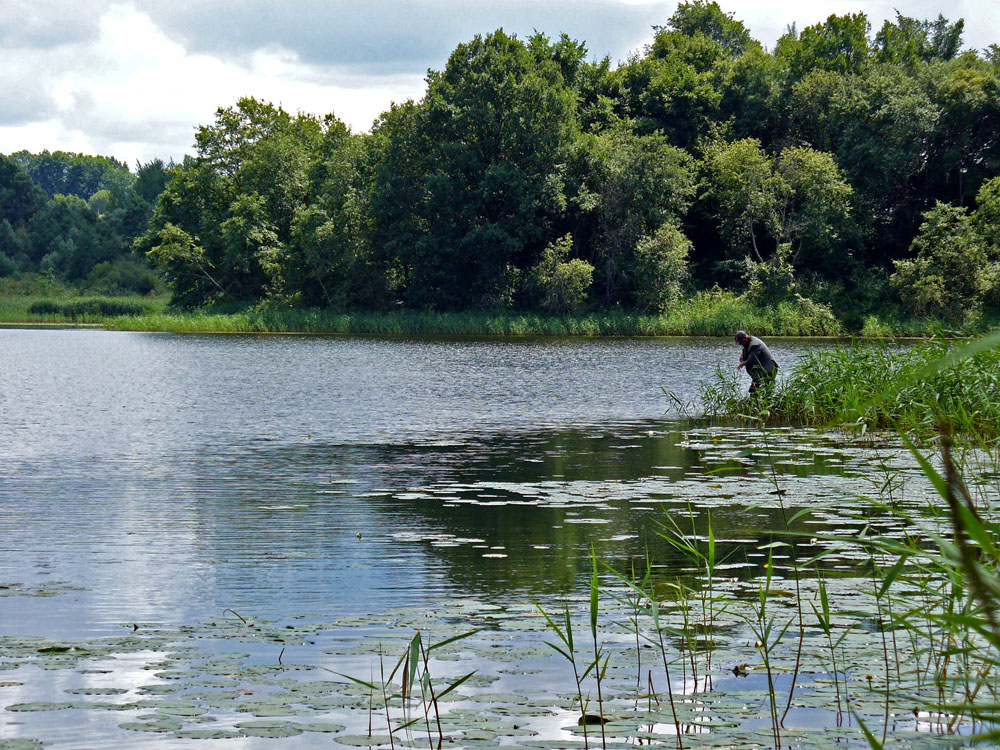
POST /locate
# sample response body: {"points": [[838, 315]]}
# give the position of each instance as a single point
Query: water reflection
{"points": [[347, 529], [160, 477]]}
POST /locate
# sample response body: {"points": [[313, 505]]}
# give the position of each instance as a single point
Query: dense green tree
{"points": [[674, 87], [815, 217], [987, 214], [965, 143], [151, 179], [798, 200], [398, 172], [709, 20], [10, 249], [753, 97], [65, 238], [62, 173], [233, 206], [909, 41], [661, 268], [626, 186], [562, 283], [770, 281], [741, 180], [839, 44], [191, 274], [570, 55], [494, 124], [879, 126], [329, 262], [20, 198]]}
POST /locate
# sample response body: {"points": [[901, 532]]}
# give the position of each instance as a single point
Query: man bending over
{"points": [[757, 359]]}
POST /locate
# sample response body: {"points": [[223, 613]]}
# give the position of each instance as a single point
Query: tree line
{"points": [[847, 166], [76, 217]]}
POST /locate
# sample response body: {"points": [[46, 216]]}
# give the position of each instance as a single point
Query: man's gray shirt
{"points": [[757, 359]]}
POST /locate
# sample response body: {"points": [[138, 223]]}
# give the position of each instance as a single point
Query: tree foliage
{"points": [[529, 175], [951, 272]]}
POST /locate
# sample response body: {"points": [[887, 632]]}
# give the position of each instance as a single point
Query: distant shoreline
{"points": [[702, 315]]}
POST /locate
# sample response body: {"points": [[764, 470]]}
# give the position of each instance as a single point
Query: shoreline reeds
{"points": [[863, 386]]}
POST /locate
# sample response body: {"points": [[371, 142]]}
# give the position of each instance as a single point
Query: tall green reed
{"points": [[411, 669]]}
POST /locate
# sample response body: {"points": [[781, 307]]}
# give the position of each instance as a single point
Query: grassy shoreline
{"points": [[933, 387], [704, 314]]}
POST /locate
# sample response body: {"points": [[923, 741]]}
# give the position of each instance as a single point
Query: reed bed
{"points": [[702, 315], [70, 309], [920, 389]]}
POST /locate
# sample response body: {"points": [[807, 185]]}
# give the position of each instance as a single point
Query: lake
{"points": [[151, 482]]}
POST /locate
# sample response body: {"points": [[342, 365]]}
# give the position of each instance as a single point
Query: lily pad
{"points": [[273, 729], [159, 725], [363, 740], [207, 734], [39, 706]]}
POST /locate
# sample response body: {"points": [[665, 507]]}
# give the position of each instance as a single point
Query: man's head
{"points": [[741, 337]]}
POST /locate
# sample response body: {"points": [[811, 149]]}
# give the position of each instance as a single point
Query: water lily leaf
{"points": [[21, 744], [161, 725], [272, 729], [39, 706], [207, 734], [364, 740]]}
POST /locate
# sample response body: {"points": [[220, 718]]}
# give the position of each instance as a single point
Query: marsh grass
{"points": [[568, 652], [706, 314], [920, 389], [71, 309]]}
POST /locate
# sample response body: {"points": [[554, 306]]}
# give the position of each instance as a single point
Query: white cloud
{"points": [[135, 94]]}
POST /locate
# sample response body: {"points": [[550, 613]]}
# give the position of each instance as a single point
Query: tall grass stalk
{"points": [[634, 603], [646, 592], [412, 664], [825, 621], [779, 492], [598, 652], [699, 551], [568, 652], [768, 635]]}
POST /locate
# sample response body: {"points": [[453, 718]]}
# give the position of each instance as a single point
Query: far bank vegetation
{"points": [[852, 173]]}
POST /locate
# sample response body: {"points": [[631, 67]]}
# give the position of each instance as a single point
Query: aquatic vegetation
{"points": [[709, 314], [73, 309], [949, 384]]}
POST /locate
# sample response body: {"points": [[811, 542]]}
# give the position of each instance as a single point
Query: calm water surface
{"points": [[159, 477], [369, 485]]}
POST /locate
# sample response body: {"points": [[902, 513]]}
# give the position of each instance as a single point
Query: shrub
{"points": [[45, 307], [563, 285], [773, 280], [123, 276], [661, 268], [951, 272], [96, 307], [8, 266]]}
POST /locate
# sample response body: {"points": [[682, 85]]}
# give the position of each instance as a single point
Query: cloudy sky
{"points": [[133, 79]]}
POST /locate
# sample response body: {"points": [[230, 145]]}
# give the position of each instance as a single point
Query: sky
{"points": [[135, 79]]}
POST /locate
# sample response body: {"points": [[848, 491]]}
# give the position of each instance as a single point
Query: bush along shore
{"points": [[712, 313]]}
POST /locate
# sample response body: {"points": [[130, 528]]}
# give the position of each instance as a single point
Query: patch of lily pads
{"points": [[521, 692], [287, 700]]}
